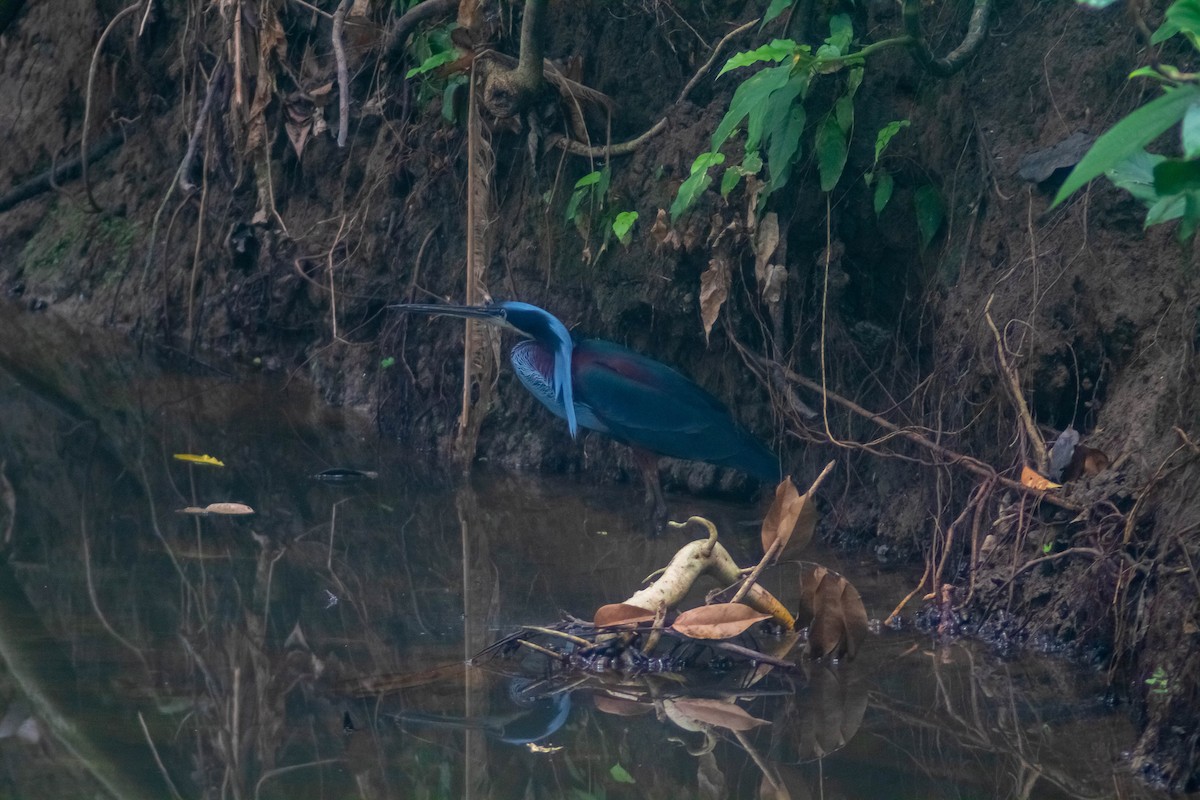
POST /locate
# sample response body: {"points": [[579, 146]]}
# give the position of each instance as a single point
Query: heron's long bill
{"points": [[493, 314]]}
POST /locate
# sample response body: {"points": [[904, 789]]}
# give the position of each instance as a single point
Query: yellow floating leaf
{"points": [[717, 621], [228, 509], [1034, 481], [195, 459]]}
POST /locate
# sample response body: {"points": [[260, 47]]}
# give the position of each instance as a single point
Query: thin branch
{"points": [[343, 74], [1014, 386], [945, 67], [87, 105], [429, 9]]}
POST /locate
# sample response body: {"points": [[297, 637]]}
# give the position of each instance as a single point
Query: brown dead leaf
{"points": [[619, 706], [717, 621], [700, 712], [714, 289], [621, 614], [1035, 481], [765, 244], [833, 608], [791, 519]]}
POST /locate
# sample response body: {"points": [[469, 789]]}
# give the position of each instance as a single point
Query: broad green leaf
{"points": [[572, 209], [885, 135], [730, 180], [1164, 32], [768, 117], [841, 32], [433, 62], [777, 50], [843, 109], [929, 212], [751, 164], [1185, 15], [854, 81], [785, 149], [1191, 213], [1190, 133], [620, 774], [1176, 176], [590, 179], [1136, 175], [754, 90], [1129, 135], [622, 225], [883, 191], [776, 8], [449, 106], [695, 183], [1165, 210], [831, 152]]}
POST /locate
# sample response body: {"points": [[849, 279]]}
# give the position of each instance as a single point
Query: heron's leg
{"points": [[648, 464]]}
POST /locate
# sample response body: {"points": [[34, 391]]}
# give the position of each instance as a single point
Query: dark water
{"points": [[142, 646]]}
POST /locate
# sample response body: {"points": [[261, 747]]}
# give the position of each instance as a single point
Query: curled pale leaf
{"points": [[718, 621], [1035, 481], [229, 509], [695, 713], [621, 614], [195, 459], [791, 519], [714, 289]]}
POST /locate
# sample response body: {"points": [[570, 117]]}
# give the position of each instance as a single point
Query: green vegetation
{"points": [[1168, 186]]}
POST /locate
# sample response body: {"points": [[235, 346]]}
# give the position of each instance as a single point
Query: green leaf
{"points": [[1185, 15], [831, 153], [696, 183], [1165, 210], [843, 109], [449, 94], [883, 191], [389, 361], [777, 50], [752, 92], [1136, 175], [1176, 176], [929, 212], [785, 149], [730, 180], [841, 32], [590, 179], [623, 223], [1132, 133], [433, 62], [620, 774], [776, 8], [1190, 133], [770, 117], [1164, 32], [885, 135], [854, 81]]}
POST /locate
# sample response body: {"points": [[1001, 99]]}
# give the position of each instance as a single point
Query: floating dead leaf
{"points": [[1035, 481], [695, 713], [620, 707], [791, 519], [344, 475], [224, 509], [717, 621], [621, 614], [195, 459], [837, 619], [714, 289]]}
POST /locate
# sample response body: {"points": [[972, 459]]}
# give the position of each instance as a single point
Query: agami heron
{"points": [[604, 387]]}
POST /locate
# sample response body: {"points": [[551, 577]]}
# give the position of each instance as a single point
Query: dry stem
{"points": [[1014, 385]]}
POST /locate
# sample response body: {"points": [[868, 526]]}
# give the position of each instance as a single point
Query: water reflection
{"points": [[162, 654]]}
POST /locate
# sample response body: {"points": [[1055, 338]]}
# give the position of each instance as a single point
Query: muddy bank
{"points": [[280, 250]]}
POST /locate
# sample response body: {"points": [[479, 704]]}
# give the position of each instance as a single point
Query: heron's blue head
{"points": [[527, 320], [546, 329]]}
